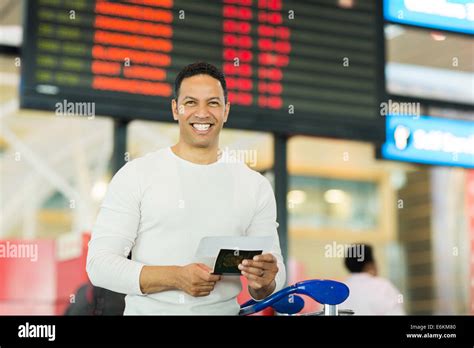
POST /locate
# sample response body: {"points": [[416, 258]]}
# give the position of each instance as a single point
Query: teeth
{"points": [[201, 126]]}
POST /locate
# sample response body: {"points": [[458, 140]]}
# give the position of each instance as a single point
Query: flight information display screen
{"points": [[293, 67]]}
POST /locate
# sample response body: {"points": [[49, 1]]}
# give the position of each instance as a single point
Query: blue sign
{"points": [[451, 15], [430, 140]]}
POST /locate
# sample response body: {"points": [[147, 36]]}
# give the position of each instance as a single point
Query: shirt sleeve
{"points": [[114, 234], [264, 224]]}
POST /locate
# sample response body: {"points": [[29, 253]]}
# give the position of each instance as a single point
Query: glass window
{"points": [[318, 202]]}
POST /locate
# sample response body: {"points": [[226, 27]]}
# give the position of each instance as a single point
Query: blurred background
{"points": [[86, 86]]}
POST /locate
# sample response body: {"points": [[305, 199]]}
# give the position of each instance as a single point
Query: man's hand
{"points": [[260, 273], [196, 279]]}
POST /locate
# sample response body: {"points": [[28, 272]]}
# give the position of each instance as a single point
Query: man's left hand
{"points": [[260, 273]]}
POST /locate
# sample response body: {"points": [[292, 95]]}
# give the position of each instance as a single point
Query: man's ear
{"points": [[174, 109], [226, 113]]}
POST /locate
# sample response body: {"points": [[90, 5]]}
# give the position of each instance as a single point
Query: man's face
{"points": [[200, 110]]}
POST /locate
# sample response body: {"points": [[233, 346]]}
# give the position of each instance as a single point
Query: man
{"points": [[161, 205], [369, 294]]}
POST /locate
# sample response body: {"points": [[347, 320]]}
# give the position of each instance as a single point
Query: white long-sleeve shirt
{"points": [[371, 295], [159, 207]]}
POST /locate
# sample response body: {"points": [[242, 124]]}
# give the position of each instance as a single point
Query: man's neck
{"points": [[198, 155]]}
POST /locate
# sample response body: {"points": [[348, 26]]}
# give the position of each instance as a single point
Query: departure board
{"points": [[292, 67]]}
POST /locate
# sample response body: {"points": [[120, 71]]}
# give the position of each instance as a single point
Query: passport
{"points": [[228, 260]]}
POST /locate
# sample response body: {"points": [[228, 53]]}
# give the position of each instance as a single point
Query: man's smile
{"points": [[202, 128]]}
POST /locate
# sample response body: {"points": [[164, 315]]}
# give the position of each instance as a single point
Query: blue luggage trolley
{"points": [[329, 293]]}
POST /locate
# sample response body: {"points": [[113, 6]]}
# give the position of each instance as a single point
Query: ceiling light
{"points": [[334, 196], [296, 196]]}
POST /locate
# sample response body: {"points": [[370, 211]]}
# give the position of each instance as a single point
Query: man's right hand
{"points": [[196, 279]]}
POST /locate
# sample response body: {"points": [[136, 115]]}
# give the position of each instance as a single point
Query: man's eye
{"points": [[189, 102], [213, 103]]}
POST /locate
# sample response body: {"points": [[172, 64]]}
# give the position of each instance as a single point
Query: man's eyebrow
{"points": [[211, 98]]}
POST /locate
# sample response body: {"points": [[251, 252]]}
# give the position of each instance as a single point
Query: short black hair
{"points": [[354, 261], [200, 68]]}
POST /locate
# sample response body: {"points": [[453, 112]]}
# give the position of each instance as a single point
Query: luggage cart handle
{"points": [[326, 292]]}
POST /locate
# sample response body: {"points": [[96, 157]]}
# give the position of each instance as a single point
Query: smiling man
{"points": [[161, 205]]}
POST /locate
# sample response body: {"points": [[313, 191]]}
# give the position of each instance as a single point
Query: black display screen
{"points": [[293, 67]]}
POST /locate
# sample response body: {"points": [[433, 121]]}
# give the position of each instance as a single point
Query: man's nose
{"points": [[202, 111]]}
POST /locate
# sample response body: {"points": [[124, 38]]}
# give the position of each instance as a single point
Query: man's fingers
{"points": [[265, 258], [213, 277], [202, 293], [254, 285], [205, 284], [201, 282], [253, 270], [207, 276], [250, 276], [206, 288], [258, 264]]}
